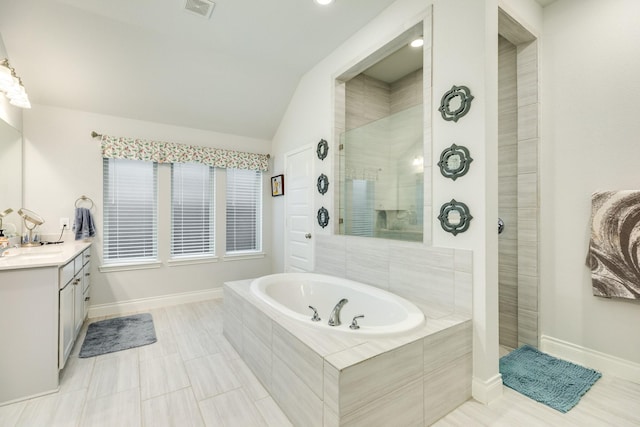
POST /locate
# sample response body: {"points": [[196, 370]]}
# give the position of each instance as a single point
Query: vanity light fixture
{"points": [[12, 86], [419, 42], [323, 2]]}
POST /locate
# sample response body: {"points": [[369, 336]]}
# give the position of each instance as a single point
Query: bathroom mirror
{"points": [[10, 174], [381, 143], [10, 159]]}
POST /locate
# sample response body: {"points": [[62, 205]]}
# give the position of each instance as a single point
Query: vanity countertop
{"points": [[41, 256]]}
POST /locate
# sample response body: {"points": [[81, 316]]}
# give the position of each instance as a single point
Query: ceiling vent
{"points": [[199, 7]]}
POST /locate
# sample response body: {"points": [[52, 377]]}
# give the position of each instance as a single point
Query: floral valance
{"points": [[169, 152]]}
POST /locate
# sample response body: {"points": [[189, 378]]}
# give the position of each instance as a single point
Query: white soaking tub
{"points": [[385, 314]]}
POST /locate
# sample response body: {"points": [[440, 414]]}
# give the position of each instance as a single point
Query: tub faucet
{"points": [[334, 319]]}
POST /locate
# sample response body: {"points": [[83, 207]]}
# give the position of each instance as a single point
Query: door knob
{"points": [[307, 236], [500, 225]]}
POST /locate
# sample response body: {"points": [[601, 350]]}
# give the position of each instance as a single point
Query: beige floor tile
{"points": [[121, 409], [165, 346], [178, 408], [112, 375], [211, 375], [9, 414], [234, 409], [196, 344], [162, 375], [53, 410]]}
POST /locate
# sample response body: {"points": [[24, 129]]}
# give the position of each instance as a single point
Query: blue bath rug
{"points": [[121, 333], [554, 382]]}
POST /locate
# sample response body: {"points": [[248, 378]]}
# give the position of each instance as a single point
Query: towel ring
{"points": [[84, 199]]}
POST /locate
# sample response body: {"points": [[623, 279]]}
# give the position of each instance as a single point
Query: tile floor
{"points": [[193, 377], [190, 377]]}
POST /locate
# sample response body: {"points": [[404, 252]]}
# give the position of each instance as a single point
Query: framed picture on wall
{"points": [[277, 185]]}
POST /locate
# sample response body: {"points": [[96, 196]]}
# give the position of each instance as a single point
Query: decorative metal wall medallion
{"points": [[323, 149], [454, 161], [455, 103], [454, 217], [323, 184], [323, 217]]}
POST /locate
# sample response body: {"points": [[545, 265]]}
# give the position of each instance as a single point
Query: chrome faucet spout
{"points": [[334, 319]]}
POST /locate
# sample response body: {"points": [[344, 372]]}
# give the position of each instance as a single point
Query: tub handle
{"points": [[315, 317], [354, 322]]}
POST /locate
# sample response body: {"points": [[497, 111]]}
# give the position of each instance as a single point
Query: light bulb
{"points": [[323, 2], [417, 42]]}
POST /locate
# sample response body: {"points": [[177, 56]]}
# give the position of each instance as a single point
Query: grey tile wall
{"points": [[508, 192], [528, 199], [419, 273], [518, 192]]}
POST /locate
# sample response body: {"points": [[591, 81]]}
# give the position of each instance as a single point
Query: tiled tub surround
{"points": [[321, 379], [440, 278]]}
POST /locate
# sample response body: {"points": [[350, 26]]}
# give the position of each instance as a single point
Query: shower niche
{"points": [[380, 129]]}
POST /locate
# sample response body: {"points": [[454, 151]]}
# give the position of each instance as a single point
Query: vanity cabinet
{"points": [[74, 285], [43, 304]]}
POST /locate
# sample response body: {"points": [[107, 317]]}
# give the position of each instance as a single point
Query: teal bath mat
{"points": [[554, 382]]}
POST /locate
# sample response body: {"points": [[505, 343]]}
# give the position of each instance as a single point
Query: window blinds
{"points": [[192, 210], [130, 211], [244, 211]]}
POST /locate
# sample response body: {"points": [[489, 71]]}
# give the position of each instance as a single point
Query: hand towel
{"points": [[614, 248], [83, 224]]}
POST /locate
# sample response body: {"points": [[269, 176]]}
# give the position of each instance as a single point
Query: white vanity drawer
{"points": [[66, 274], [86, 279], [86, 255], [77, 264]]}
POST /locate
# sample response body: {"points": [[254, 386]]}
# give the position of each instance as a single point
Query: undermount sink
{"points": [[32, 253]]}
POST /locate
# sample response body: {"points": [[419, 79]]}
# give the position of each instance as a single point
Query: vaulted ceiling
{"points": [[152, 60]]}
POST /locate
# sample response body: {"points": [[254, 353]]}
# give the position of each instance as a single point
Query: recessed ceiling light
{"points": [[417, 42], [323, 2]]}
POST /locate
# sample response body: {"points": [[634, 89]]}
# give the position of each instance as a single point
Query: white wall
{"points": [[63, 162], [590, 128]]}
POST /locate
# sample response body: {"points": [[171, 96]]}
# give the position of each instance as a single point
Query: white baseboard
{"points": [[605, 363], [486, 391], [130, 306]]}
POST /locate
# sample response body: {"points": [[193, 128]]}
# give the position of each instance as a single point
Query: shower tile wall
{"points": [[528, 200], [368, 100], [406, 92], [508, 193], [518, 192]]}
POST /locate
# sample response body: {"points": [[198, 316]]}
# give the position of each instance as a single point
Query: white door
{"points": [[298, 210]]}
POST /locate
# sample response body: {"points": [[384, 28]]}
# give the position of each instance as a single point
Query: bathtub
{"points": [[385, 314]]}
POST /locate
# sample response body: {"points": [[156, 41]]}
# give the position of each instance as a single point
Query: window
{"points": [[192, 210], [130, 211], [244, 211]]}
